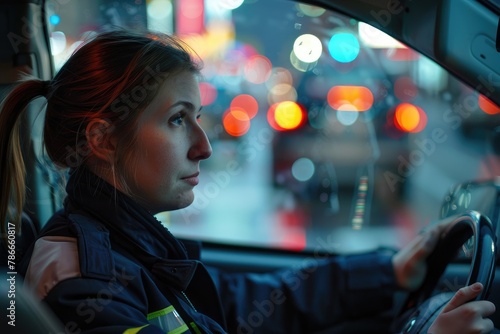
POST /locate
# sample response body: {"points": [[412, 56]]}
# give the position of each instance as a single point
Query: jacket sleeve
{"points": [[313, 296]]}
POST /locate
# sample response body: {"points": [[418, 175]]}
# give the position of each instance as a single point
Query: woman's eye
{"points": [[177, 119]]}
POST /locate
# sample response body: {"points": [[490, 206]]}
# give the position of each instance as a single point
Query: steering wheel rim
{"points": [[420, 309]]}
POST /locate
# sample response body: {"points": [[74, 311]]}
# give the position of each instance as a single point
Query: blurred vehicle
{"points": [[337, 125]]}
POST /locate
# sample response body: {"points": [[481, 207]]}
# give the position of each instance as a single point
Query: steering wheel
{"points": [[420, 309]]}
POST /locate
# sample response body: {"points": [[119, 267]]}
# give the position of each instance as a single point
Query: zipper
{"points": [[189, 301]]}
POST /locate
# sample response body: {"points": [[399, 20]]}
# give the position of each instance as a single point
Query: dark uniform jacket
{"points": [[104, 264]]}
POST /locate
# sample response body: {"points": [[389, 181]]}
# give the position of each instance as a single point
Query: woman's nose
{"points": [[201, 148]]}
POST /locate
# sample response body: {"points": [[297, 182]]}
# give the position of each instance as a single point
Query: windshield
{"points": [[325, 131]]}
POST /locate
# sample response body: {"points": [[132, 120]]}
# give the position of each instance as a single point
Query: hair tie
{"points": [[45, 87]]}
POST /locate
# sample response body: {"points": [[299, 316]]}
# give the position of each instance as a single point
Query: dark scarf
{"points": [[130, 225]]}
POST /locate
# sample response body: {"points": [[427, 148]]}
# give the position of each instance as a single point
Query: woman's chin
{"points": [[180, 203], [183, 202]]}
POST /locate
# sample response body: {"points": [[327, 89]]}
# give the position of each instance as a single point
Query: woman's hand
{"points": [[462, 316], [410, 262]]}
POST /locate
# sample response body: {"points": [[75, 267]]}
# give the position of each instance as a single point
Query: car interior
{"points": [[337, 126]]}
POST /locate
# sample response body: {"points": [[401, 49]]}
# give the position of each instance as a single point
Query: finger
{"points": [[483, 307], [463, 295], [488, 326], [476, 313], [480, 308]]}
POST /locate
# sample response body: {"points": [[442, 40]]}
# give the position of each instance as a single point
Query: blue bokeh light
{"points": [[344, 47], [54, 19]]}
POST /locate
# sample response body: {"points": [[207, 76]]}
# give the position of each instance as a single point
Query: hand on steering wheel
{"points": [[460, 313], [421, 310]]}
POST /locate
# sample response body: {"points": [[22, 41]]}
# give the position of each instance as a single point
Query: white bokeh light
{"points": [[347, 117], [230, 4], [160, 16], [307, 48], [57, 42]]}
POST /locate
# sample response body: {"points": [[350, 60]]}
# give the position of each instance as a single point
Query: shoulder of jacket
{"points": [[94, 246], [77, 246]]}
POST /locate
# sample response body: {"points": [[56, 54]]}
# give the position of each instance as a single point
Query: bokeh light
{"points": [[344, 47], [410, 118], [375, 38], [300, 65], [54, 19], [487, 105], [159, 9], [246, 103], [230, 4], [347, 117], [288, 115], [236, 122], [208, 93], [215, 39], [350, 98], [190, 17], [279, 75], [57, 42], [311, 11], [160, 15], [303, 169], [258, 69], [191, 9], [289, 230], [284, 116], [307, 48], [281, 93]]}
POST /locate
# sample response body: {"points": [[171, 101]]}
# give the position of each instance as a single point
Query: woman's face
{"points": [[165, 158]]}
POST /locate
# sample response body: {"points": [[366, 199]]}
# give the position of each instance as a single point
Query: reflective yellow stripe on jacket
{"points": [[169, 320], [134, 330]]}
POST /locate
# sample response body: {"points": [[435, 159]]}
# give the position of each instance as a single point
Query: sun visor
{"points": [[466, 41]]}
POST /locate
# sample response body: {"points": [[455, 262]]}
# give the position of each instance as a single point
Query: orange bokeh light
{"points": [[236, 122], [359, 97], [285, 116], [247, 103], [410, 118], [487, 105]]}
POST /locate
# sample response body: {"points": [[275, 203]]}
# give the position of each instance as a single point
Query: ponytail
{"points": [[12, 168]]}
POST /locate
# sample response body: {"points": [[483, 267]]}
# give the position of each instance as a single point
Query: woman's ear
{"points": [[100, 140]]}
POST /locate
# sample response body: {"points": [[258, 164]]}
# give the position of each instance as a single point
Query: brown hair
{"points": [[111, 77]]}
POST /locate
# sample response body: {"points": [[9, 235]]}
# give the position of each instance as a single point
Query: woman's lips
{"points": [[192, 179]]}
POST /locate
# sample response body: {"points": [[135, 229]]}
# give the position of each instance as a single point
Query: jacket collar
{"points": [[97, 207], [131, 227]]}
